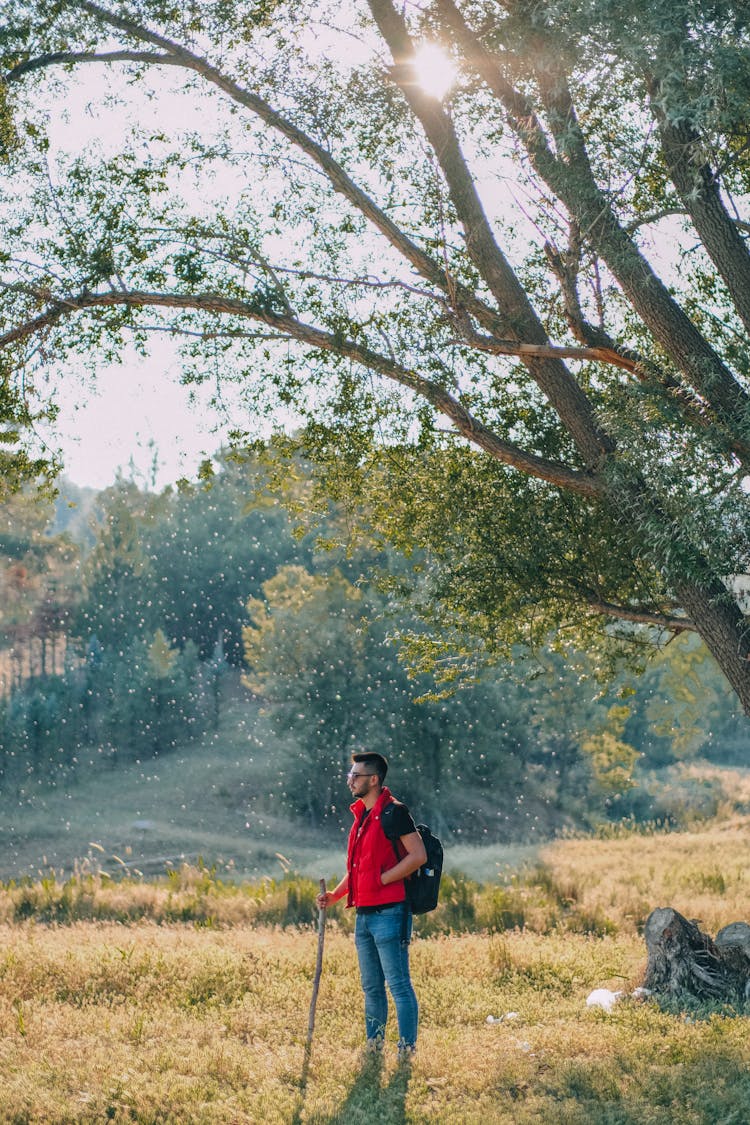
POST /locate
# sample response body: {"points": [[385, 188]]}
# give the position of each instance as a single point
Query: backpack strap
{"points": [[385, 817]]}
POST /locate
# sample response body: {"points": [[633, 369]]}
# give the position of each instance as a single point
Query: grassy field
{"points": [[205, 1021], [140, 985]]}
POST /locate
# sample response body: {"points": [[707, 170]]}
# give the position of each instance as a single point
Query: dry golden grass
{"points": [[155, 1021], [705, 874], [175, 1024]]}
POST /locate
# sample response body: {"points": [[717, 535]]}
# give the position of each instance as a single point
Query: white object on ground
{"points": [[502, 1019], [603, 998]]}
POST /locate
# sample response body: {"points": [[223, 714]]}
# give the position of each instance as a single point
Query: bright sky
{"points": [[138, 416]]}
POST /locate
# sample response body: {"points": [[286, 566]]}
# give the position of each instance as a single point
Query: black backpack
{"points": [[423, 885]]}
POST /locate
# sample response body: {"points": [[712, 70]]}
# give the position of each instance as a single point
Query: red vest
{"points": [[370, 853]]}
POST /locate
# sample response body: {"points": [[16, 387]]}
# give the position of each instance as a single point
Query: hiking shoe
{"points": [[406, 1051], [375, 1045]]}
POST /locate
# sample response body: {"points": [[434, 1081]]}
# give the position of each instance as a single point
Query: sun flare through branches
{"points": [[434, 70]]}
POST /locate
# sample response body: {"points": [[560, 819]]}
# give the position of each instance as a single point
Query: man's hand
{"points": [[414, 858], [326, 900]]}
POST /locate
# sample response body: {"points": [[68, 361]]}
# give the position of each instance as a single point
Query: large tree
{"points": [[533, 292]]}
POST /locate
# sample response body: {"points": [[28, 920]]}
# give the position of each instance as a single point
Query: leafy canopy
{"points": [[511, 325]]}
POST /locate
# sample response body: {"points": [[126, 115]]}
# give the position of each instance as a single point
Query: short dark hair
{"points": [[376, 763]]}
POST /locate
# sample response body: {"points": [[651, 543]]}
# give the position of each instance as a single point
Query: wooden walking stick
{"points": [[313, 1002], [316, 979]]}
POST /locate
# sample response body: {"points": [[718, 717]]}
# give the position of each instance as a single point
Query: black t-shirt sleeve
{"points": [[397, 821]]}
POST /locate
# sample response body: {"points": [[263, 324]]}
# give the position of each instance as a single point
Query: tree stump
{"points": [[683, 962], [733, 944]]}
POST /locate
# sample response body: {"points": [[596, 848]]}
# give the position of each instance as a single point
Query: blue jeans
{"points": [[384, 958]]}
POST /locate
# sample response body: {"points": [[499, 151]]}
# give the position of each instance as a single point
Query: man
{"points": [[374, 885]]}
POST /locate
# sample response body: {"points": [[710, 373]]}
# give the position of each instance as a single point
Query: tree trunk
{"points": [[698, 187], [685, 964], [724, 631]]}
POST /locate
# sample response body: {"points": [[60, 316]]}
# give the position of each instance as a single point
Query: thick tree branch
{"points": [[522, 116], [550, 374], [670, 325], [573, 182], [723, 627], [667, 212], [595, 353], [61, 58], [640, 615], [177, 55], [466, 424], [597, 340], [488, 344], [698, 189]]}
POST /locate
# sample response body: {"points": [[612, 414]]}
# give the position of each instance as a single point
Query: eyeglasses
{"points": [[354, 773]]}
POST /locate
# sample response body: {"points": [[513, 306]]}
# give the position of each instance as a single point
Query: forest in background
{"points": [[126, 611]]}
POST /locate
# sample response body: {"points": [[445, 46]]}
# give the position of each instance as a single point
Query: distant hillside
{"points": [[215, 798], [201, 800]]}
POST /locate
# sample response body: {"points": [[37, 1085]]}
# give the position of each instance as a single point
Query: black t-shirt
{"points": [[397, 821]]}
